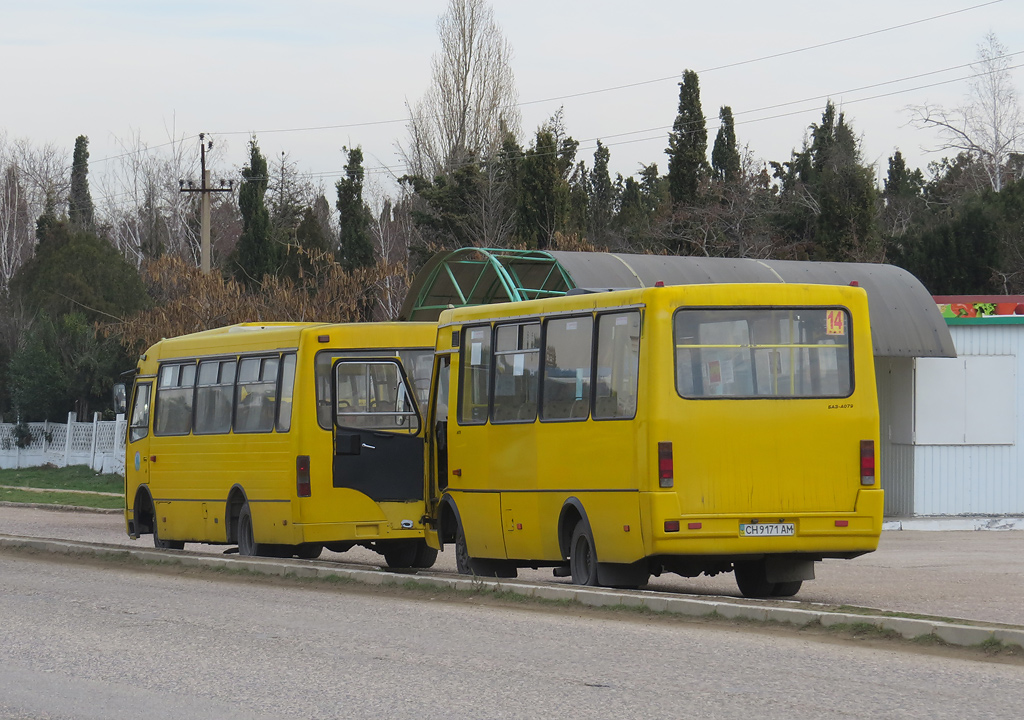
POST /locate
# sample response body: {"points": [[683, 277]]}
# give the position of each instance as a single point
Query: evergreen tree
{"points": [[544, 208], [74, 270], [80, 207], [725, 156], [602, 196], [687, 144], [355, 249], [829, 199], [256, 253]]}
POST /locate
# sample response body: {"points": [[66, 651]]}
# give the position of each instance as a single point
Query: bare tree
{"points": [[32, 180], [990, 126], [471, 103]]}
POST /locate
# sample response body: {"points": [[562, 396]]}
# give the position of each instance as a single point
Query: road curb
{"points": [[910, 628]]}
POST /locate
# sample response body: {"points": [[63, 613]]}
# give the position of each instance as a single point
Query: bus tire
{"points": [[308, 551], [400, 554], [582, 557], [752, 580], [426, 556], [247, 544], [787, 589], [162, 544], [480, 567], [463, 562]]}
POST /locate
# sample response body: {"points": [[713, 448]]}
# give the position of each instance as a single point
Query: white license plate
{"points": [[767, 529]]}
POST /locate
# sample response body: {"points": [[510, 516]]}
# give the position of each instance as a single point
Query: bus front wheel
{"points": [[582, 557]]}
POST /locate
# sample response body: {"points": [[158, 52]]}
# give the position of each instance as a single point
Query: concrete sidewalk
{"points": [[766, 611], [958, 522]]}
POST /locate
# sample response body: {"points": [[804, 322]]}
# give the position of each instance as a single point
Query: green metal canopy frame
{"points": [[905, 321], [479, 276]]}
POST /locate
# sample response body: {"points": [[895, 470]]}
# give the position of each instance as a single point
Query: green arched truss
{"points": [[479, 276]]}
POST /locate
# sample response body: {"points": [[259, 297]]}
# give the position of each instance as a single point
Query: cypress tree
{"points": [[687, 143], [256, 254], [355, 248], [725, 156], [80, 207]]}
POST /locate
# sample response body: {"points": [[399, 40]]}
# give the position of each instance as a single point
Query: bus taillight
{"points": [[302, 476], [867, 462], [665, 471]]}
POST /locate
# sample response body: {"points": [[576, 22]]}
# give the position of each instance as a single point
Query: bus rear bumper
{"points": [[824, 534]]}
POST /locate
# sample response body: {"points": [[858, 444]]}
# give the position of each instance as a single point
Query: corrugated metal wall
{"points": [[975, 479], [894, 377]]}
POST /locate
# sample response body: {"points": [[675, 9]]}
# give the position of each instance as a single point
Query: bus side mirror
{"points": [[120, 399]]}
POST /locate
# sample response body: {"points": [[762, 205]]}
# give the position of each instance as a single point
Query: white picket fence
{"points": [[98, 444]]}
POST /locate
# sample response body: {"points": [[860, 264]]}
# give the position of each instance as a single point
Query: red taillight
{"points": [[867, 462], [302, 476], [671, 526], [665, 471]]}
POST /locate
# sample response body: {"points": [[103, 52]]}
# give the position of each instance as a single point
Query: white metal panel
{"points": [[991, 412], [940, 401], [975, 479]]}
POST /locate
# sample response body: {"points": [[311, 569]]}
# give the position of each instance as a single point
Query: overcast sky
{"points": [[309, 77]]}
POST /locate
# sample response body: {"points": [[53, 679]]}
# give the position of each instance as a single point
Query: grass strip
{"points": [[104, 502]]}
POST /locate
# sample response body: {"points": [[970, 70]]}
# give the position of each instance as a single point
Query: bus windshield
{"points": [[762, 352]]}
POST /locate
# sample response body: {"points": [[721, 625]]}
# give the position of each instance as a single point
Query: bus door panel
{"points": [[137, 465], [378, 450]]}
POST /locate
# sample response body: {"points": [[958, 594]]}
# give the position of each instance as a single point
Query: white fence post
{"points": [[95, 432], [72, 417]]}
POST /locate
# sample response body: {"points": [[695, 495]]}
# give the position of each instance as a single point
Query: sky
{"points": [[310, 77]]}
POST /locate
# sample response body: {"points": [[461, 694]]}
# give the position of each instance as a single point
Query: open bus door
{"points": [[378, 450], [437, 442]]}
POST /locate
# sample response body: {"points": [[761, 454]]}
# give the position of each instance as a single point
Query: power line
{"points": [[763, 57], [374, 123]]}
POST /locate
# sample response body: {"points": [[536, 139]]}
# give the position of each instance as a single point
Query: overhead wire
{"points": [[739, 63]]}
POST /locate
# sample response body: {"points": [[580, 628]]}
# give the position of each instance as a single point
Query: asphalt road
{"points": [[967, 575], [90, 641]]}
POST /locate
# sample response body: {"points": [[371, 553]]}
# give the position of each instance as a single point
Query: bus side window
{"points": [[214, 391], [174, 399], [568, 347], [285, 394], [139, 425], [618, 364], [254, 395], [475, 375], [516, 360]]}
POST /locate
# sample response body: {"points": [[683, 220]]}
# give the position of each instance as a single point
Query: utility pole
{"points": [[205, 189]]}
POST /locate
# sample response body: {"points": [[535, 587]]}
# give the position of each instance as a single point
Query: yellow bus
{"points": [[693, 429], [239, 436]]}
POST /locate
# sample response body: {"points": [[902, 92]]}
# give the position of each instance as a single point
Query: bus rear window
{"points": [[763, 352]]}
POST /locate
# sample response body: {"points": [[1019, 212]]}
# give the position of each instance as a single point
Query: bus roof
{"points": [[248, 337]]}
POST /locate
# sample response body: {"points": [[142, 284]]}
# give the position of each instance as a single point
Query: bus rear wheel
{"points": [[752, 579], [308, 551], [582, 557], [463, 563], [787, 589], [162, 544], [247, 544]]}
